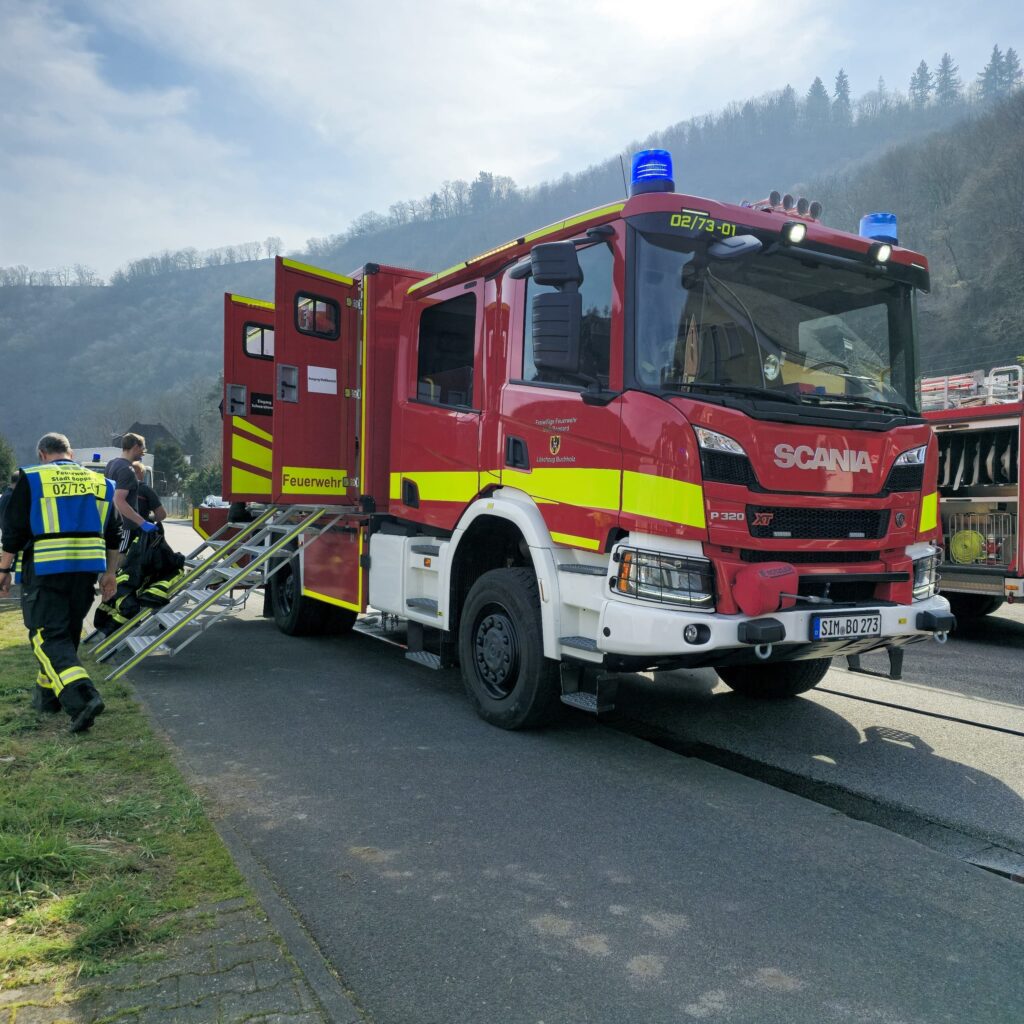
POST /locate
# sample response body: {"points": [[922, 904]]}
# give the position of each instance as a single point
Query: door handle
{"points": [[517, 455]]}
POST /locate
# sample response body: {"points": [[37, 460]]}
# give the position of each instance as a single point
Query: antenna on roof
{"points": [[622, 167]]}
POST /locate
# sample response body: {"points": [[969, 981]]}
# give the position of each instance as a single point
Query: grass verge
{"points": [[101, 840]]}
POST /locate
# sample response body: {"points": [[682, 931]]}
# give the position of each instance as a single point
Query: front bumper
{"points": [[634, 635]]}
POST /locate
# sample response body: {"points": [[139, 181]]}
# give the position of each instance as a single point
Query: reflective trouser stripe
{"points": [[56, 680], [43, 681]]}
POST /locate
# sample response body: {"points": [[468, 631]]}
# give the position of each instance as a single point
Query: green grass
{"points": [[101, 840]]}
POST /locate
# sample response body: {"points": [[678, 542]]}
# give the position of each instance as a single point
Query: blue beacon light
{"points": [[879, 227], [652, 172]]}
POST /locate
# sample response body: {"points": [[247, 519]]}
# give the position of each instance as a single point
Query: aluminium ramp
{"points": [[218, 587]]}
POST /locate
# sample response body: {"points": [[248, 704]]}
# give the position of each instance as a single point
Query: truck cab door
{"points": [[561, 450], [316, 386], [247, 417]]}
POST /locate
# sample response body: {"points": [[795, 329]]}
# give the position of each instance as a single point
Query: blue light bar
{"points": [[652, 172], [879, 227]]}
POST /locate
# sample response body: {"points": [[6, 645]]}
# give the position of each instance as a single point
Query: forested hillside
{"points": [[91, 358]]}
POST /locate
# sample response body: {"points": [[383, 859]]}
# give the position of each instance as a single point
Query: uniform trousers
{"points": [[54, 607]]}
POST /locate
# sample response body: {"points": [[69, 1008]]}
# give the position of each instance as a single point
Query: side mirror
{"points": [[734, 248], [557, 317], [555, 263]]}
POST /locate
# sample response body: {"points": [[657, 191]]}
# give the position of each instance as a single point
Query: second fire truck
{"points": [[668, 432]]}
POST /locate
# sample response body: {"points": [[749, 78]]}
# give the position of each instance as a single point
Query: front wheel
{"points": [[501, 650], [776, 680], [298, 615], [972, 606]]}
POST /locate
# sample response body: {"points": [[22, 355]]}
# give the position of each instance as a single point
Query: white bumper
{"points": [[642, 629]]}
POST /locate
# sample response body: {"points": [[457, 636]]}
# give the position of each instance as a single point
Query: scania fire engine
{"points": [[977, 418], [668, 432]]}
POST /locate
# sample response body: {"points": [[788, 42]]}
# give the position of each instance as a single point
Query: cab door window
{"points": [[597, 263], [444, 370]]}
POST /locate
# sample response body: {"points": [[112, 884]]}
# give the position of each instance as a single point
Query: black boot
{"points": [[44, 699], [83, 703]]}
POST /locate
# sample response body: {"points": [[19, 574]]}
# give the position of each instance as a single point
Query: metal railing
{"points": [[980, 538], [1000, 386]]}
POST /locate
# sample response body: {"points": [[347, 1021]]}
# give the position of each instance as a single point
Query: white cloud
{"points": [[292, 120]]}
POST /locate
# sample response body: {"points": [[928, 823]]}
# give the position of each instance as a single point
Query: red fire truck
{"points": [[669, 432], [977, 418]]}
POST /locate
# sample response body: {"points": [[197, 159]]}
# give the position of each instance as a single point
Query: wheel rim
{"points": [[286, 589], [496, 653]]}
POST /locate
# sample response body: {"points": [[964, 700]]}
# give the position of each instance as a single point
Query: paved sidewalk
{"points": [[229, 968]]}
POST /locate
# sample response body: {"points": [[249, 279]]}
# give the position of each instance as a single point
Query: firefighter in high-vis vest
{"points": [[61, 529]]}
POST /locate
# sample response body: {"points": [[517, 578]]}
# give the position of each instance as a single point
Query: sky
{"points": [[131, 128]]}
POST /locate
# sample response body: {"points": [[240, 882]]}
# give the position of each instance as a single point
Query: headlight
{"points": [[913, 457], [712, 441], [670, 579], [926, 576]]}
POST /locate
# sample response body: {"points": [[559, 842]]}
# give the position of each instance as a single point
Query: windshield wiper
{"points": [[739, 389], [856, 403]]}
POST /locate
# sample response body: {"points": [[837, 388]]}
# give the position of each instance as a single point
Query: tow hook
{"points": [[763, 651], [941, 637]]}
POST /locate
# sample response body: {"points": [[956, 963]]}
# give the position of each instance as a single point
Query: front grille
{"points": [[811, 557], [723, 468], [905, 478], [817, 523]]}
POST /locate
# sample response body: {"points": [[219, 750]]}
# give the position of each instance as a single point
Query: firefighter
{"points": [[149, 504], [60, 521]]}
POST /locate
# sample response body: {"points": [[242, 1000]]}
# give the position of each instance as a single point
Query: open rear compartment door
{"points": [[248, 433], [316, 386]]}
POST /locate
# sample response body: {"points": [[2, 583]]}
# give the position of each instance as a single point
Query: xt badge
{"points": [[554, 443], [763, 518]]}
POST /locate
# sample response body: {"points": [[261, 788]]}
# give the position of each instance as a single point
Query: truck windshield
{"points": [[769, 323]]}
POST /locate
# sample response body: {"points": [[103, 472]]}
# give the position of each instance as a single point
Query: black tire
{"points": [[776, 680], [501, 650], [296, 615], [972, 606]]}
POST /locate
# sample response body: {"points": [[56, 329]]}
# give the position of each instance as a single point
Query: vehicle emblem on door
{"points": [[554, 443]]}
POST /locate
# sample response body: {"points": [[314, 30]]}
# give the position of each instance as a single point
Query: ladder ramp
{"points": [[206, 595]]}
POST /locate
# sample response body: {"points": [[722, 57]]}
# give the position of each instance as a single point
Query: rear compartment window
{"points": [[444, 372], [258, 341], [316, 316]]}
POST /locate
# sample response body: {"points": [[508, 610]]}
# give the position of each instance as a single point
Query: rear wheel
{"points": [[972, 606], [297, 615], [776, 680], [501, 650]]}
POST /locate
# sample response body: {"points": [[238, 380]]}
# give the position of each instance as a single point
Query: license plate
{"points": [[845, 627]]}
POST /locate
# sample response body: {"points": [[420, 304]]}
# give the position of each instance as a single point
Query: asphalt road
{"points": [[451, 872]]}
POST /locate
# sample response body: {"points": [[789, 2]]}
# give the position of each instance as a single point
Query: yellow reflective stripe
{"points": [[327, 599], [254, 454], [243, 300], [244, 482], [73, 675], [929, 517], [586, 488], [560, 225], [239, 424], [48, 549], [317, 272], [659, 497], [549, 230], [313, 480], [48, 669], [576, 542], [48, 507], [437, 277], [439, 486]]}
